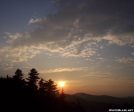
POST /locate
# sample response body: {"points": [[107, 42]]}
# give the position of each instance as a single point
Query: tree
{"points": [[32, 79], [18, 80], [19, 96], [42, 87], [51, 88], [18, 75], [62, 96]]}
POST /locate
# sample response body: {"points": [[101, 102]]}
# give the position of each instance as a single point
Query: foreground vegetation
{"points": [[33, 94]]}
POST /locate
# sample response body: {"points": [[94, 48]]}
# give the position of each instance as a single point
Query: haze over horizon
{"points": [[89, 44]]}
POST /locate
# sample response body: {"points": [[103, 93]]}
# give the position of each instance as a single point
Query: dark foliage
{"points": [[33, 94]]}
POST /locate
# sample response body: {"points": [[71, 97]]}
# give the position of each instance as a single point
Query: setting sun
{"points": [[61, 83]]}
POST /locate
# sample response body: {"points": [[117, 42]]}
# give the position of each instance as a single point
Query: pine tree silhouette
{"points": [[42, 87], [51, 88], [33, 94], [32, 79], [18, 75]]}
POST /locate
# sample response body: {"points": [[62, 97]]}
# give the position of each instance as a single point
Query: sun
{"points": [[61, 83]]}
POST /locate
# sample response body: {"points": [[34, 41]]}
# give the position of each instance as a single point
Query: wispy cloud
{"points": [[72, 32], [133, 53], [84, 76], [125, 60], [18, 54], [64, 28], [8, 67], [102, 74], [96, 74], [64, 70], [35, 21]]}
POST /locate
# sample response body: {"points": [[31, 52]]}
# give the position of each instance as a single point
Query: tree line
{"points": [[33, 94]]}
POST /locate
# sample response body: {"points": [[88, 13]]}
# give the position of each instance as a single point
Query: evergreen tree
{"points": [[16, 96], [62, 95], [18, 75], [18, 80], [32, 79], [51, 88], [42, 87]]}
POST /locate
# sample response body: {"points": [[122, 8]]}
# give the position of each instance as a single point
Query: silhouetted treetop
{"points": [[33, 76], [51, 87], [32, 94], [18, 74], [32, 79]]}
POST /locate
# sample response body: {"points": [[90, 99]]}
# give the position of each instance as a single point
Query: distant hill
{"points": [[102, 102], [105, 98]]}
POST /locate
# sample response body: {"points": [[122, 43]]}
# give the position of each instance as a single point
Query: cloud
{"points": [[102, 74], [133, 53], [8, 67], [64, 70], [97, 18], [16, 37], [72, 32], [96, 74], [125, 60], [14, 55], [75, 51], [101, 47], [33, 21], [84, 76]]}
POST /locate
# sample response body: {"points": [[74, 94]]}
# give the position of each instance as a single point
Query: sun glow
{"points": [[61, 83]]}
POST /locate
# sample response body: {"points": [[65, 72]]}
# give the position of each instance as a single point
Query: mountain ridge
{"points": [[102, 102], [105, 98]]}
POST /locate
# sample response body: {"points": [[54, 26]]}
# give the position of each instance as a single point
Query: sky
{"points": [[89, 44]]}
